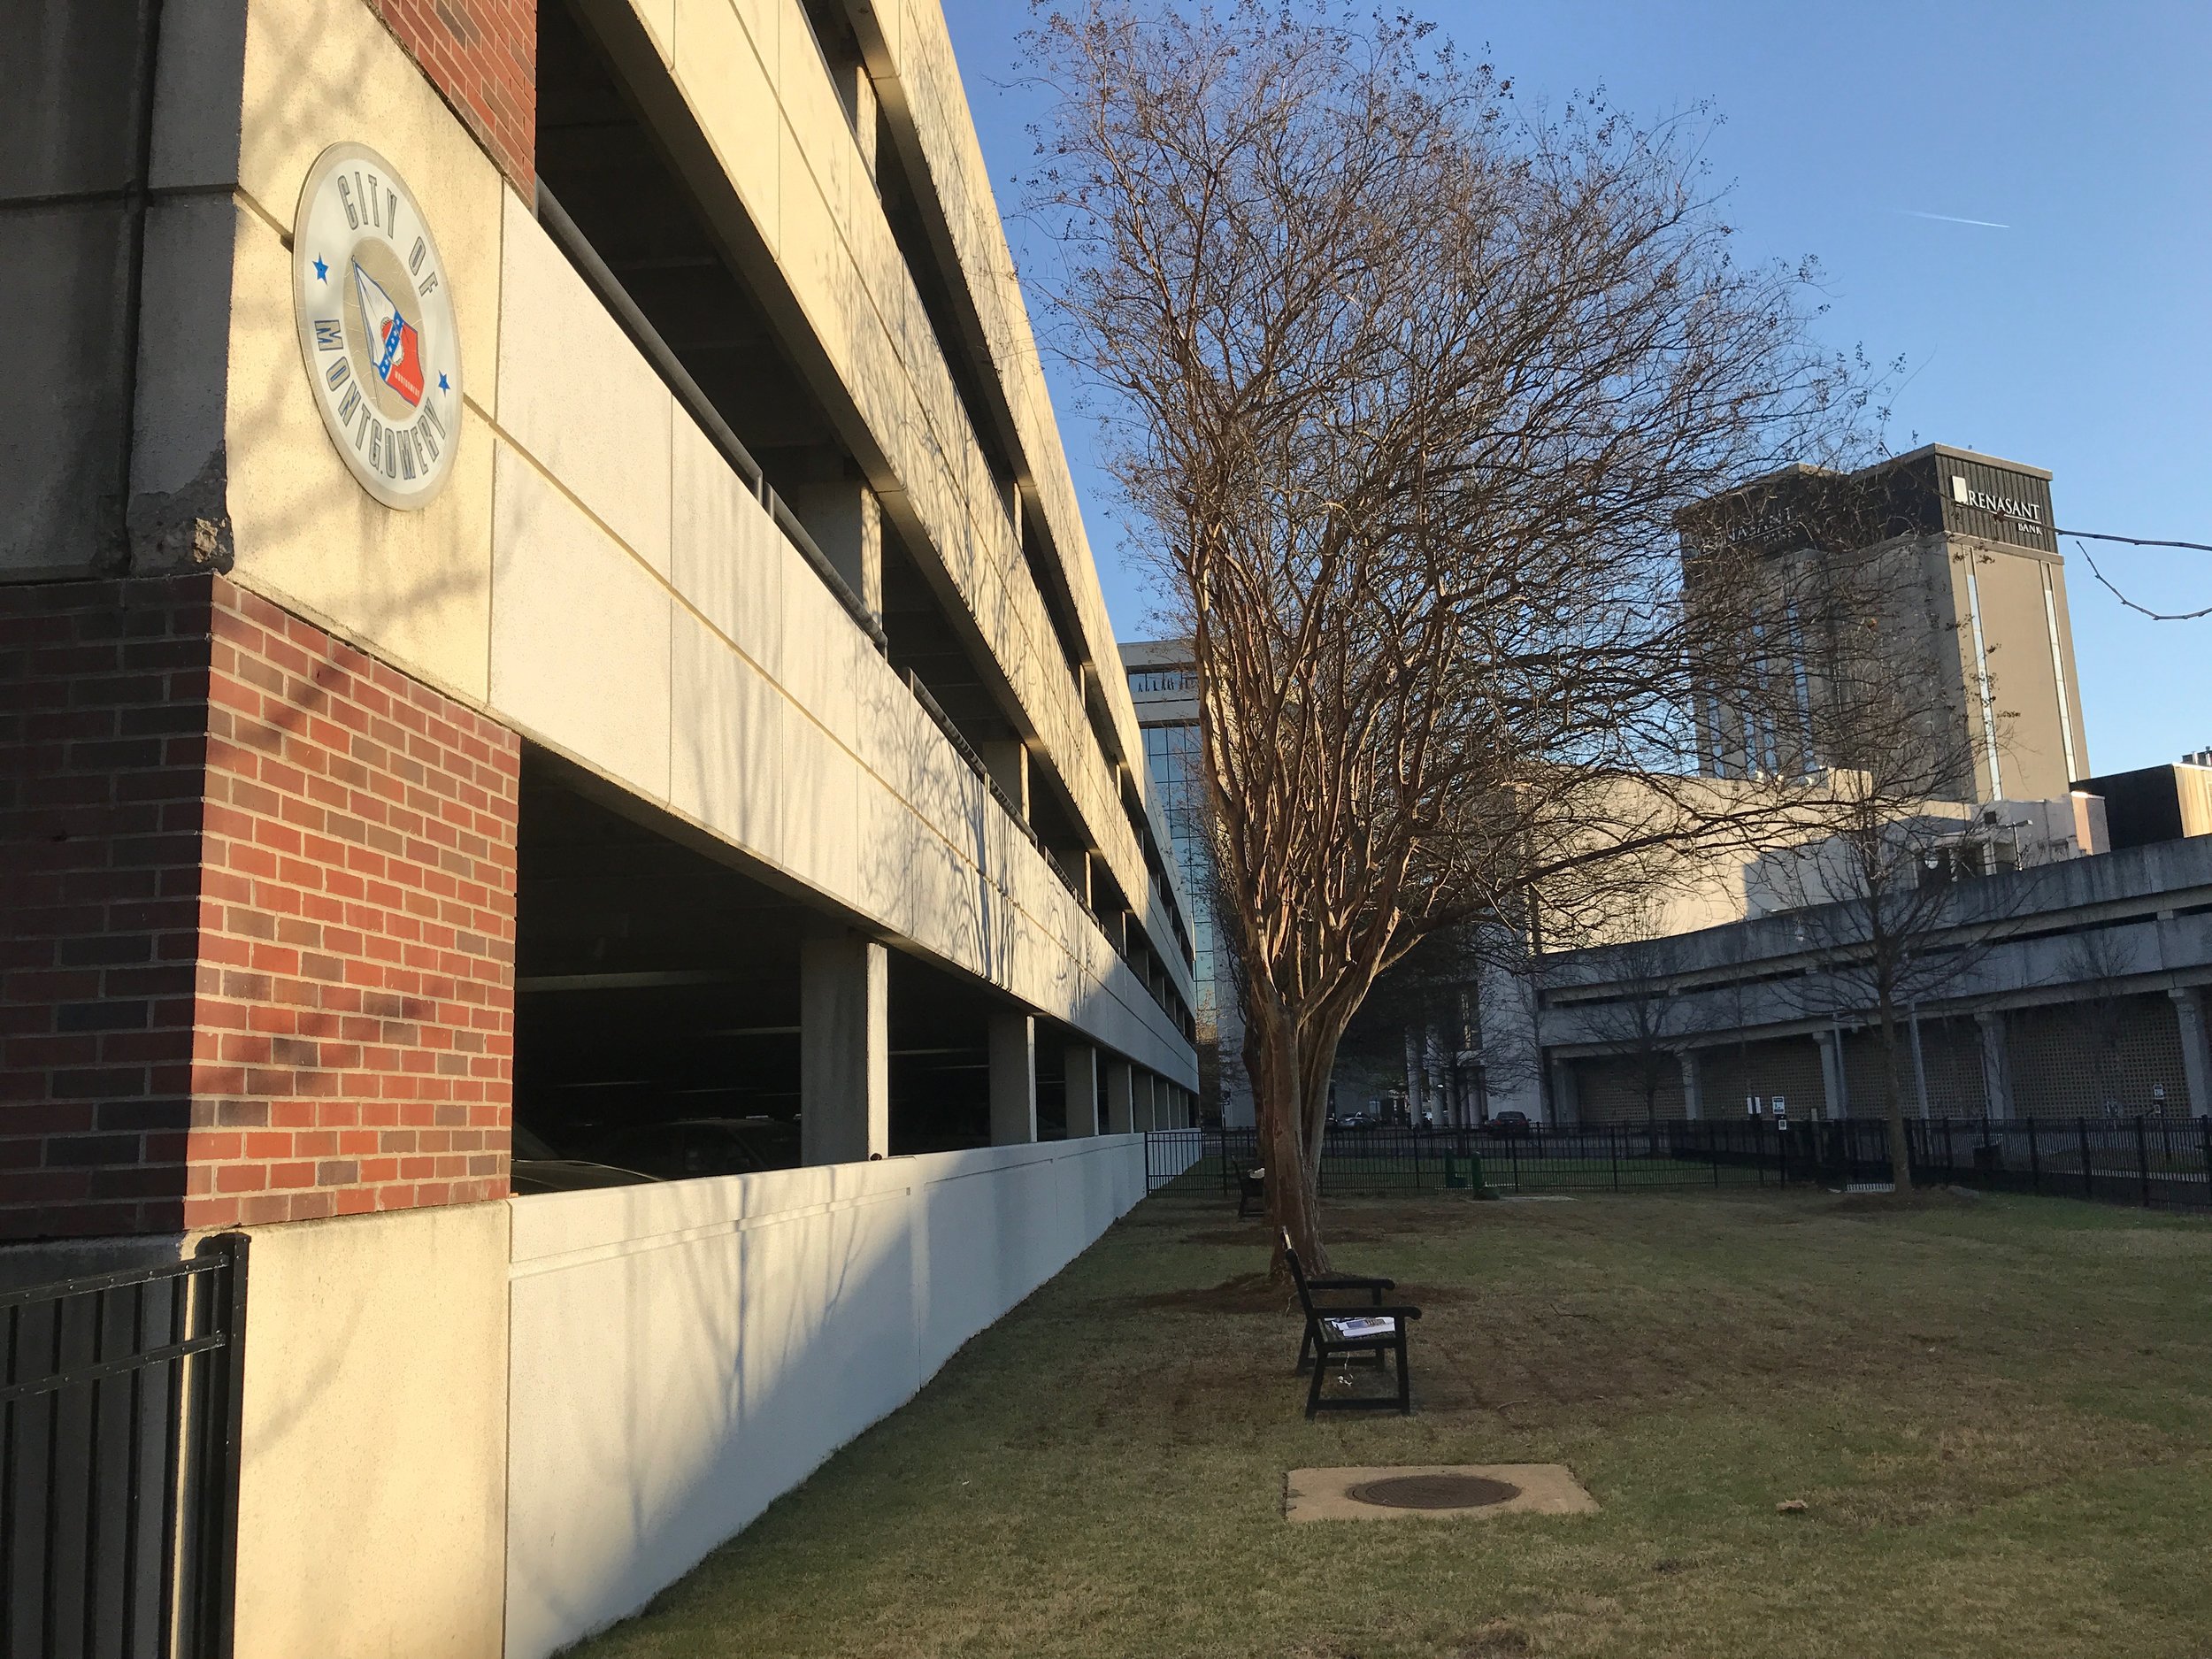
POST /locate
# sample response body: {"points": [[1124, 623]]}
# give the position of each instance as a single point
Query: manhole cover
{"points": [[1433, 1492]]}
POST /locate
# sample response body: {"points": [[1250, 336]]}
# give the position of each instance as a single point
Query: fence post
{"points": [[2088, 1184], [1712, 1152], [1613, 1145], [2035, 1162], [1513, 1159], [2204, 1129], [2143, 1159]]}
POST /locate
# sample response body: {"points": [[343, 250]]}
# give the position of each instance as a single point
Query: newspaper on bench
{"points": [[1352, 1330]]}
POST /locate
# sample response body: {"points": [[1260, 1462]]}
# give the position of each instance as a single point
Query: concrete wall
{"points": [[683, 1355], [371, 1507]]}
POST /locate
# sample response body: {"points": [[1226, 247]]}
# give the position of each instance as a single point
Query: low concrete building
{"points": [[539, 589], [2080, 990]]}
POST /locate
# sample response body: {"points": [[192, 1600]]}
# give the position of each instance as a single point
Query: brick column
{"points": [[258, 913]]}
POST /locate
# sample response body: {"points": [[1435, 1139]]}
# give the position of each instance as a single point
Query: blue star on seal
{"points": [[322, 270], [442, 385]]}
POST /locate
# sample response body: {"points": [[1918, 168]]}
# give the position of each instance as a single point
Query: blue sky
{"points": [[2078, 337]]}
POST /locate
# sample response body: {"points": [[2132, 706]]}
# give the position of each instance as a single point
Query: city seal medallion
{"points": [[377, 334]]}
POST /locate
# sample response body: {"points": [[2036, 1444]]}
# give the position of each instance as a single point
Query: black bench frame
{"points": [[1321, 1343]]}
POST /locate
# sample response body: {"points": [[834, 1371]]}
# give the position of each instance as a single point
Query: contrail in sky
{"points": [[1953, 218]]}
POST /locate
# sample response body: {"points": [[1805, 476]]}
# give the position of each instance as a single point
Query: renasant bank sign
{"points": [[376, 325], [2028, 515]]}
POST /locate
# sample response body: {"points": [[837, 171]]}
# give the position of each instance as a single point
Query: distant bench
{"points": [[1251, 1189]]}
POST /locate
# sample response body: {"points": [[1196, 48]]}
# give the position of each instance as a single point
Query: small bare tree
{"points": [[1643, 1024], [2097, 965], [1408, 385]]}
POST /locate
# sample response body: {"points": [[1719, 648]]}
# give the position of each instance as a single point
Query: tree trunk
{"points": [[1294, 1199], [1892, 1100]]}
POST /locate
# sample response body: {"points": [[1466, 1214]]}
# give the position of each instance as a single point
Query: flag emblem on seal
{"points": [[394, 344]]}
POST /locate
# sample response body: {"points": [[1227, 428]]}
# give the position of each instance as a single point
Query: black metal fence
{"points": [[1613, 1159], [2161, 1162], [119, 1460]]}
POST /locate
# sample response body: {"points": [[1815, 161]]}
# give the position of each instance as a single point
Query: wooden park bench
{"points": [[1251, 1189], [1346, 1332]]}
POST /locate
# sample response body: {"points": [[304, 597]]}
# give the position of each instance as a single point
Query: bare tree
{"points": [[2097, 965], [1408, 384], [1643, 1023]]}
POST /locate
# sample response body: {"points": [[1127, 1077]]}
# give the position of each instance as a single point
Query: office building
{"points": [[1969, 589], [1164, 685]]}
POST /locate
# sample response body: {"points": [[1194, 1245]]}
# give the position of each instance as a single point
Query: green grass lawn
{"points": [[1998, 1411]]}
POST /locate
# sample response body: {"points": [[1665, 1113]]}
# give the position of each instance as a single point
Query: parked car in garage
{"points": [[691, 1147], [1507, 1124], [538, 1168]]}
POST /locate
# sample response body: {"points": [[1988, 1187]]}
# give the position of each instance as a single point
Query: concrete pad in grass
{"points": [[1434, 1491]]}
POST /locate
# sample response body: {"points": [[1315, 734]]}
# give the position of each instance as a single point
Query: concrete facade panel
{"points": [[415, 587], [576, 394], [192, 278], [727, 755], [727, 558], [318, 75], [70, 77], [718, 65], [199, 93], [61, 422], [372, 1502], [579, 651]]}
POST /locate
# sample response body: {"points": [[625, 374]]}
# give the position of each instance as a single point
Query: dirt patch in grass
{"points": [[1256, 1293], [1917, 1201], [1495, 1640], [1247, 1293], [1254, 1236]]}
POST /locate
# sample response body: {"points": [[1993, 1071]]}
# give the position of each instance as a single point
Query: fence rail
{"points": [[2164, 1164], [119, 1460]]}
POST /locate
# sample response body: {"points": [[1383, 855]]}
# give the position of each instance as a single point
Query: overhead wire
{"points": [[2135, 540]]}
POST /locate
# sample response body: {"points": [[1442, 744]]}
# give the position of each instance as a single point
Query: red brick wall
{"points": [[355, 1040], [482, 56], [256, 919], [102, 734]]}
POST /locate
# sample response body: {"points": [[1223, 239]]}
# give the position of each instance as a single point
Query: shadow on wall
{"points": [[682, 1354]]}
